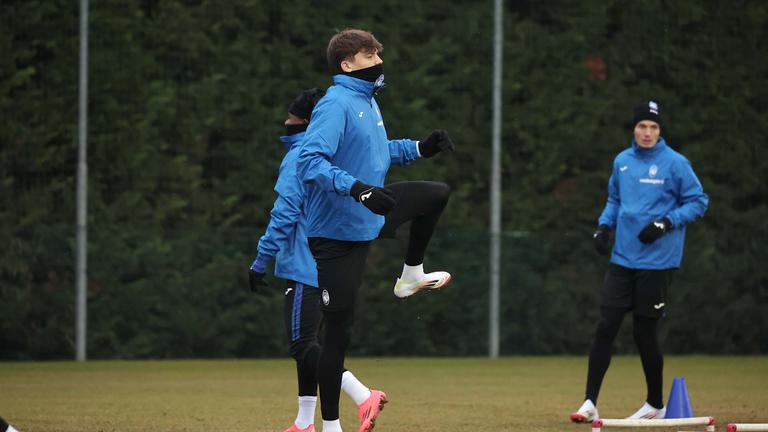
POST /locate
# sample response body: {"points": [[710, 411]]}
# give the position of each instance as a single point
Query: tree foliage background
{"points": [[186, 104]]}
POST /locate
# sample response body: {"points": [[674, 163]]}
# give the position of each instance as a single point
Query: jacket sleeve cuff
{"points": [[342, 183], [259, 265], [606, 223], [672, 223], [415, 153]]}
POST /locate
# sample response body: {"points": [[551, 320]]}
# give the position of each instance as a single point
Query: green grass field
{"points": [[426, 394]]}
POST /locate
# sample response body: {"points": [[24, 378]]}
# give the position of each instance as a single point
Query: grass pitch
{"points": [[426, 394]]}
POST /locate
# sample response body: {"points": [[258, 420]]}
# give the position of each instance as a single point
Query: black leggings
{"points": [[647, 344], [340, 266], [421, 202], [302, 317], [303, 321], [338, 329]]}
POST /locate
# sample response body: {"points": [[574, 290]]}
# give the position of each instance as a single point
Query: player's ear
{"points": [[346, 64]]}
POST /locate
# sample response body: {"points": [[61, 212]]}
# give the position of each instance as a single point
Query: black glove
{"points": [[654, 230], [256, 280], [256, 273], [378, 200], [436, 142], [601, 239]]}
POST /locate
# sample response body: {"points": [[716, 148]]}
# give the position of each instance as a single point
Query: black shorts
{"points": [[301, 313], [642, 291], [340, 268]]}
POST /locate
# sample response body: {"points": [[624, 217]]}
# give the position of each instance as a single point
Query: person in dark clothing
{"points": [[347, 154], [653, 194], [285, 242]]}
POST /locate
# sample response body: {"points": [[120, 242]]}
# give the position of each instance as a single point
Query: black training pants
{"points": [[421, 202], [340, 267], [644, 293], [302, 317]]}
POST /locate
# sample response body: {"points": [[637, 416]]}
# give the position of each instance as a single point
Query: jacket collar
{"points": [[363, 87], [644, 152], [290, 140]]}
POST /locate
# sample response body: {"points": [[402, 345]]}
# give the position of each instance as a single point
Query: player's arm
{"points": [[693, 203], [613, 203], [282, 221], [314, 166], [403, 151], [324, 134], [601, 238], [283, 218], [693, 200]]}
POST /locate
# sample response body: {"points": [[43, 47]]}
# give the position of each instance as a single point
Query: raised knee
{"points": [[441, 192]]}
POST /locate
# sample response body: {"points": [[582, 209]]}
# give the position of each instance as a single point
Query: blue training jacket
{"points": [[285, 239], [345, 142], [647, 185]]}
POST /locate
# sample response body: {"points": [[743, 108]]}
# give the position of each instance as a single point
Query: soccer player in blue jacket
{"points": [[285, 242], [653, 194], [344, 159]]}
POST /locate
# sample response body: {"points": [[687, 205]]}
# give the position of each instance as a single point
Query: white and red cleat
{"points": [[435, 280], [586, 413], [647, 411]]}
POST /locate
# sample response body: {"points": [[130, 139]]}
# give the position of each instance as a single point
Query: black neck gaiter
{"points": [[293, 129], [370, 74]]}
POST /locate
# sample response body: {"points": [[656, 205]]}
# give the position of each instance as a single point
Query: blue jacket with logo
{"points": [[647, 185], [285, 239], [345, 142]]}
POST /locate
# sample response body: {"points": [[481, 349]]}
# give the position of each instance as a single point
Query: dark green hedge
{"points": [[187, 99]]}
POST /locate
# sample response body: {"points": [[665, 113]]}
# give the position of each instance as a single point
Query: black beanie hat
{"points": [[647, 111], [304, 103]]}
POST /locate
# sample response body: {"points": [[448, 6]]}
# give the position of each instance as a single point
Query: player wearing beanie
{"points": [[285, 242], [653, 194]]}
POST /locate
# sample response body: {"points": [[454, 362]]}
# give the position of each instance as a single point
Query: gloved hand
{"points": [[436, 142], [601, 239], [256, 274], [654, 230], [376, 199]]}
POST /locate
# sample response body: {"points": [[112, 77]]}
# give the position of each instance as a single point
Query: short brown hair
{"points": [[346, 43]]}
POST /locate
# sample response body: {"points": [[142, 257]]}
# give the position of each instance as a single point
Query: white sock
{"points": [[412, 272], [306, 415], [354, 388], [332, 426], [11, 429]]}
